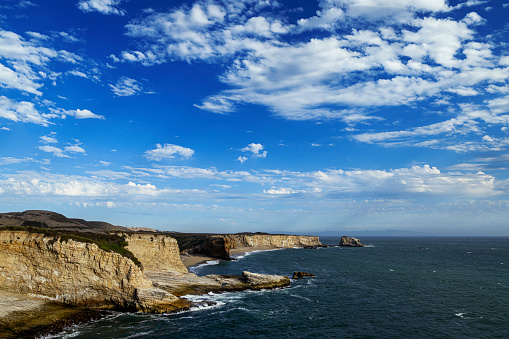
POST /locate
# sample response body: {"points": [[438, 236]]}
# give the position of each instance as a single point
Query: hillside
{"points": [[48, 219]]}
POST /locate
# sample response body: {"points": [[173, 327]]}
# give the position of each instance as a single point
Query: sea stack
{"points": [[350, 242]]}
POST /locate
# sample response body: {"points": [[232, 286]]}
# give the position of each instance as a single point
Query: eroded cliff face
{"points": [[156, 252], [76, 273], [273, 240]]}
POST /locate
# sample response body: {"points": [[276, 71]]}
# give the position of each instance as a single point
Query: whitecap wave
{"points": [[461, 315], [245, 254], [195, 269], [300, 297]]}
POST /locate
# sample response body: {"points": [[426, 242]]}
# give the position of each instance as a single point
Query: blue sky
{"points": [[258, 115]]}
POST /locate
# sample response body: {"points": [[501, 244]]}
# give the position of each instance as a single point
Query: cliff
{"points": [[219, 245], [212, 245], [273, 240], [155, 251], [76, 273]]}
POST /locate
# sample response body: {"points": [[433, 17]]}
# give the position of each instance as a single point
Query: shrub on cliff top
{"points": [[106, 242]]}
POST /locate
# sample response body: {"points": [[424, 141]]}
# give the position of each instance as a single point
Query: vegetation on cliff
{"points": [[105, 241]]}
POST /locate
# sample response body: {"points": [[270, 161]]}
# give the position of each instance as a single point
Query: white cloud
{"points": [[11, 160], [102, 6], [74, 149], [34, 184], [126, 87], [57, 152], [49, 139], [23, 111], [24, 61], [77, 73], [280, 191], [168, 151], [84, 114], [400, 9], [256, 150], [241, 159], [407, 57]]}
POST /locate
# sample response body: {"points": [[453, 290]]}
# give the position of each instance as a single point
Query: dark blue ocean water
{"points": [[455, 288]]}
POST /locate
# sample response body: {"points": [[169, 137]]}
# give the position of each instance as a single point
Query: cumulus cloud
{"points": [[256, 150], [168, 151], [241, 159], [102, 6], [362, 54], [31, 183], [27, 112], [49, 139], [126, 87], [23, 111], [25, 63]]}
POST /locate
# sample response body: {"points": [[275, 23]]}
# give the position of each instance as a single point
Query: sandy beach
{"points": [[194, 260], [240, 250]]}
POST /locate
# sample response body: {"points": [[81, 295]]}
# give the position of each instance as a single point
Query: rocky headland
{"points": [[82, 267]]}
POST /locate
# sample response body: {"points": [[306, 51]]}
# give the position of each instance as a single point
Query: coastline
{"points": [[27, 316], [32, 316], [191, 261]]}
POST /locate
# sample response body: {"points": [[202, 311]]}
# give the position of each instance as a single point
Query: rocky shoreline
{"points": [[54, 277], [71, 275]]}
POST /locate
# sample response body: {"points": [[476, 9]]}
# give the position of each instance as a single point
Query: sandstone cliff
{"points": [[219, 245], [155, 251], [76, 273], [273, 240]]}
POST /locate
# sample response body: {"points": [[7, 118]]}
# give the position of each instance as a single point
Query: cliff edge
{"points": [[76, 272]]}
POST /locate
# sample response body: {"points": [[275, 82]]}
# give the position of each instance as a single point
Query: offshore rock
{"points": [[264, 280], [350, 242], [298, 274], [249, 281]]}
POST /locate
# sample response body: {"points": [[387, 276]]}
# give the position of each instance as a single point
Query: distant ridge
{"points": [[366, 233], [39, 218]]}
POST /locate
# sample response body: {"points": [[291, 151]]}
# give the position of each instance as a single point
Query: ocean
{"points": [[394, 288]]}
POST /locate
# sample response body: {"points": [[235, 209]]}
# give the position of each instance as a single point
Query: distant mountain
{"points": [[48, 219]]}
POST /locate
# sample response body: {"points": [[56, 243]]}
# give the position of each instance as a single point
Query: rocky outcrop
{"points": [[249, 281], [76, 273], [273, 240], [155, 251], [350, 242], [298, 275]]}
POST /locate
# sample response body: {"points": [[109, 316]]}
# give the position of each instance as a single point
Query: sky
{"points": [[258, 115]]}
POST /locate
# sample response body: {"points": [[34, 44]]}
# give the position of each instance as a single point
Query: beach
{"points": [[191, 261]]}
